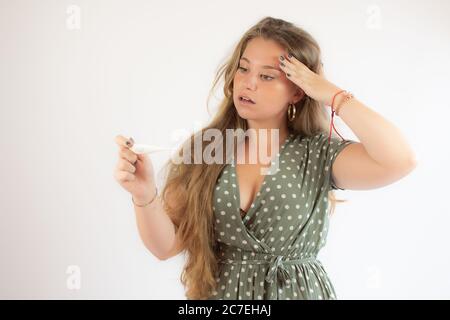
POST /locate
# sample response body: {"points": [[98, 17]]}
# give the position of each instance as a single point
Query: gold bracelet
{"points": [[146, 203], [348, 96]]}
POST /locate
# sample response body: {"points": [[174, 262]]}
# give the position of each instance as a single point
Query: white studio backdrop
{"points": [[74, 74]]}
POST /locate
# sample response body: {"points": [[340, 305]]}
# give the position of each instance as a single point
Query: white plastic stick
{"points": [[145, 148]]}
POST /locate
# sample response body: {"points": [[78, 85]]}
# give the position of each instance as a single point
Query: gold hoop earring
{"points": [[291, 114]]}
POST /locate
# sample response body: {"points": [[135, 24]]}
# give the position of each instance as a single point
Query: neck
{"points": [[283, 133]]}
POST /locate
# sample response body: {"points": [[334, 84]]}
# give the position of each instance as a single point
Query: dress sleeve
{"points": [[328, 152]]}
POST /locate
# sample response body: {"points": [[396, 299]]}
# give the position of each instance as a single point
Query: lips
{"points": [[248, 99]]}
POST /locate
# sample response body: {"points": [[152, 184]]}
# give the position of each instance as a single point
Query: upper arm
{"points": [[324, 150], [354, 169]]}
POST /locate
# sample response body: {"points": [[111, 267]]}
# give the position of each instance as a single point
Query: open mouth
{"points": [[246, 100]]}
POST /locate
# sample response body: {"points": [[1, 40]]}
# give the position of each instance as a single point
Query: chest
{"points": [[249, 179]]}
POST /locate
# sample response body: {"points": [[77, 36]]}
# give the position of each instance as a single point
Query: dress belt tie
{"points": [[277, 267]]}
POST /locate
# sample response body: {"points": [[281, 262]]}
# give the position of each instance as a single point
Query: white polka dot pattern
{"points": [[271, 253]]}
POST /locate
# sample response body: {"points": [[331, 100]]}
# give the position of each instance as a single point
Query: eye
{"points": [[265, 76]]}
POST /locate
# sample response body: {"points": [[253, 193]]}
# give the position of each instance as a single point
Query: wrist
{"points": [[343, 99], [143, 201], [337, 93], [338, 100]]}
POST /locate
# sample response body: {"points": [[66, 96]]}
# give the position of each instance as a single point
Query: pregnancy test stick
{"points": [[145, 148]]}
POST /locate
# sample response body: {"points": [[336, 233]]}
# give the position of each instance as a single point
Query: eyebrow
{"points": [[264, 67]]}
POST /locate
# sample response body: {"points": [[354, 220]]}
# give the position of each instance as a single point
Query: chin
{"points": [[242, 112]]}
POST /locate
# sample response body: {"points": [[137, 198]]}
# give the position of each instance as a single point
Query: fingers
{"points": [[128, 155], [125, 168], [293, 60], [124, 176], [293, 63], [287, 66], [124, 142], [124, 151], [321, 72], [124, 165], [125, 171]]}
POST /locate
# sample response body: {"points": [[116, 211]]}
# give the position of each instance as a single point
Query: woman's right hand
{"points": [[134, 172]]}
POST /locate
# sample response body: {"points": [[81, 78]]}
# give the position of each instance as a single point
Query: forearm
{"points": [[382, 140], [156, 229]]}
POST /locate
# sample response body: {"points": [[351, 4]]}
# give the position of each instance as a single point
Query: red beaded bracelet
{"points": [[348, 96], [332, 116]]}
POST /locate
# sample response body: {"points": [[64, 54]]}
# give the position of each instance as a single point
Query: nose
{"points": [[249, 80]]}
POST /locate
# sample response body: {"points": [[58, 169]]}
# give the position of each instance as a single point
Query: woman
{"points": [[253, 236]]}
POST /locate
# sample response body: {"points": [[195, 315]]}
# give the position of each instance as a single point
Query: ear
{"points": [[299, 94]]}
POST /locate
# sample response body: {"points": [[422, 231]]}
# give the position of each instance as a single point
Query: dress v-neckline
{"points": [[259, 193]]}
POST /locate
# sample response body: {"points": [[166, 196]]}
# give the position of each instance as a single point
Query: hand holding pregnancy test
{"points": [[134, 170]]}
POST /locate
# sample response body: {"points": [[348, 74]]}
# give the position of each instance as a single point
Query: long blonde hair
{"points": [[188, 191]]}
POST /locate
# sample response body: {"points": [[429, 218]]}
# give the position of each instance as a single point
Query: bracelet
{"points": [[336, 110], [148, 202], [348, 96]]}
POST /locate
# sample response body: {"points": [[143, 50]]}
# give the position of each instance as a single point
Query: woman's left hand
{"points": [[314, 85]]}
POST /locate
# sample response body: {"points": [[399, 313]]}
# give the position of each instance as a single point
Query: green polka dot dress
{"points": [[271, 253]]}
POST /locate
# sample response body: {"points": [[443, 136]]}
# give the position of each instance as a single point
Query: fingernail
{"points": [[130, 142], [281, 58], [289, 55]]}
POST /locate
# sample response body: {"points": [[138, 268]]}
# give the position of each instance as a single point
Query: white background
{"points": [[70, 81]]}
